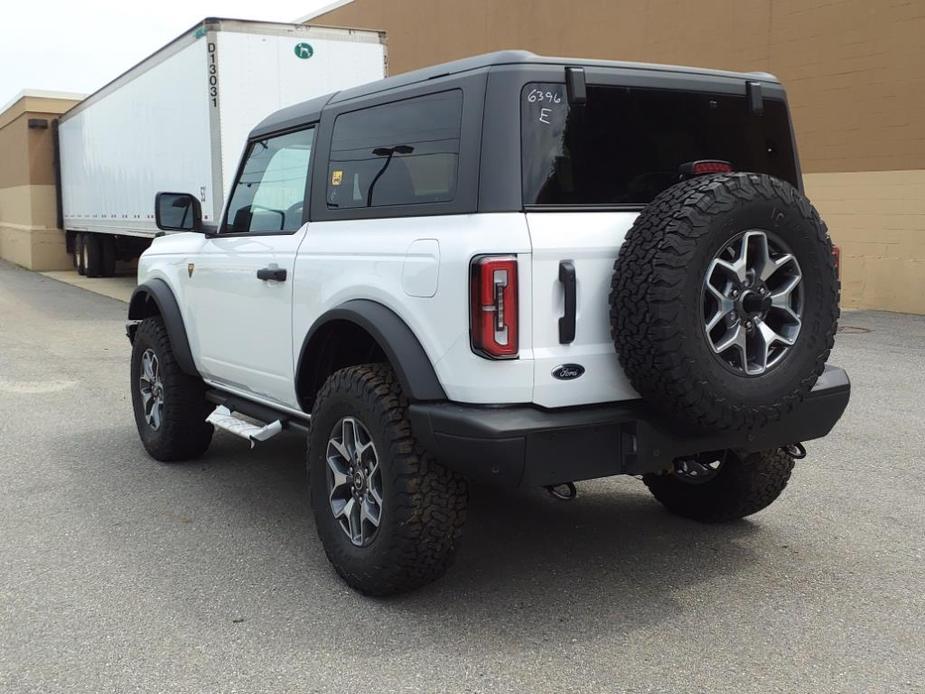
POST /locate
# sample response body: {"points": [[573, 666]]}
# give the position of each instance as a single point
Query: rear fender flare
{"points": [[400, 345]]}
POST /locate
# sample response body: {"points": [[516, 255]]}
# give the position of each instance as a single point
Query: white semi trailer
{"points": [[178, 121]]}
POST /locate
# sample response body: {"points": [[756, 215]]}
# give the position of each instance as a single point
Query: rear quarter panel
{"points": [[375, 259]]}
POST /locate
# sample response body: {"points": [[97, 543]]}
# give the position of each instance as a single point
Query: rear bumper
{"points": [[523, 445]]}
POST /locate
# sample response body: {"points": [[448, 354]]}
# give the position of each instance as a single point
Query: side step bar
{"points": [[271, 421], [222, 418]]}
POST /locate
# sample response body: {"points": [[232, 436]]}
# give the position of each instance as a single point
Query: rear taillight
{"points": [[493, 306], [836, 253], [704, 166]]}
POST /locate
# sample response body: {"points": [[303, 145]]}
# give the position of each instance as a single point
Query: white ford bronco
{"points": [[510, 270]]}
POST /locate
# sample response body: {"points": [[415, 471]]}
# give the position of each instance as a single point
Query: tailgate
{"points": [[617, 149], [589, 241]]}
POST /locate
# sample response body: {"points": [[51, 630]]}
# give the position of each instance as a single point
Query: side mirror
{"points": [[177, 212]]}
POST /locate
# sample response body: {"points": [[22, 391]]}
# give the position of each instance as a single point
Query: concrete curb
{"points": [[119, 288]]}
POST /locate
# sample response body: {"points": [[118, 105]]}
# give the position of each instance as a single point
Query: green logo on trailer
{"points": [[303, 51]]}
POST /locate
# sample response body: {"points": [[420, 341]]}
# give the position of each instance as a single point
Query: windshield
{"points": [[625, 145]]}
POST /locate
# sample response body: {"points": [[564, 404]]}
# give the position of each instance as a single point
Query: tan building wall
{"points": [[878, 220], [854, 71], [29, 235]]}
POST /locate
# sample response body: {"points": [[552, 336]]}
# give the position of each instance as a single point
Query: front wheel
{"points": [[722, 486], [170, 406], [389, 516]]}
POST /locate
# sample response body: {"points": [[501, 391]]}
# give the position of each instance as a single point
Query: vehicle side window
{"points": [[270, 192], [402, 153]]}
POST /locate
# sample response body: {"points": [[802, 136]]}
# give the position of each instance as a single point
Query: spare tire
{"points": [[724, 300]]}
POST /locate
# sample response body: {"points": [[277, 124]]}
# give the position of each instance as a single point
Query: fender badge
{"points": [[190, 267], [568, 372]]}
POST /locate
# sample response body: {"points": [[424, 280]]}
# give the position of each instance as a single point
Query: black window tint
{"points": [[402, 153], [625, 145], [270, 193]]}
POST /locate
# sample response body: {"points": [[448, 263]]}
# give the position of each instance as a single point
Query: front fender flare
{"points": [[400, 345], [156, 294]]}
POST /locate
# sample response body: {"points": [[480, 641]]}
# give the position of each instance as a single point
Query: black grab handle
{"points": [[272, 273], [567, 322]]}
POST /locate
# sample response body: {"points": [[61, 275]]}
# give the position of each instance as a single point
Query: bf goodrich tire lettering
{"points": [[678, 348]]}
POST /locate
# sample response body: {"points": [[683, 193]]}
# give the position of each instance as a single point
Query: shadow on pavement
{"points": [[610, 560]]}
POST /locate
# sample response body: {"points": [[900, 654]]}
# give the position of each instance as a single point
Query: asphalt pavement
{"points": [[121, 574]]}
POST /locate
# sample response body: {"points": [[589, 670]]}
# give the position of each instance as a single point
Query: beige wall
{"points": [[29, 235], [878, 221], [854, 71]]}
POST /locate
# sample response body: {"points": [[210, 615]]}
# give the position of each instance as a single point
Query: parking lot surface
{"points": [[120, 574]]}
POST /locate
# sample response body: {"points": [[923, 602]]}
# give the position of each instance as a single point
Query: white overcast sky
{"points": [[79, 45]]}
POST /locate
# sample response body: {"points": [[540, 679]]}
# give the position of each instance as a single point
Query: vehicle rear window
{"points": [[400, 153], [625, 145]]}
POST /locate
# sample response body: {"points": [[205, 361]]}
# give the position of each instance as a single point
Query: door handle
{"points": [[272, 273], [567, 322]]}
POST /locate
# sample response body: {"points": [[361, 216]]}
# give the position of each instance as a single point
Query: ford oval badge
{"points": [[568, 372]]}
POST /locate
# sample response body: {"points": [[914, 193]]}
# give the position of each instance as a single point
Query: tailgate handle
{"points": [[567, 322]]}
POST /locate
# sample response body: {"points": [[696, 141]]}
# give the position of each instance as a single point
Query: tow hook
{"points": [[564, 491], [794, 450]]}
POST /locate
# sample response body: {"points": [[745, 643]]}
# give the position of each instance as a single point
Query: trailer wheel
{"points": [[107, 256], [79, 254], [92, 255]]}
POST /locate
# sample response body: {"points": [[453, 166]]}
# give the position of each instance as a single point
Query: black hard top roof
{"points": [[310, 110]]}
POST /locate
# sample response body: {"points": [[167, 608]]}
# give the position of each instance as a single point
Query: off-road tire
{"points": [[93, 255], [656, 309], [742, 486], [424, 503], [183, 433]]}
